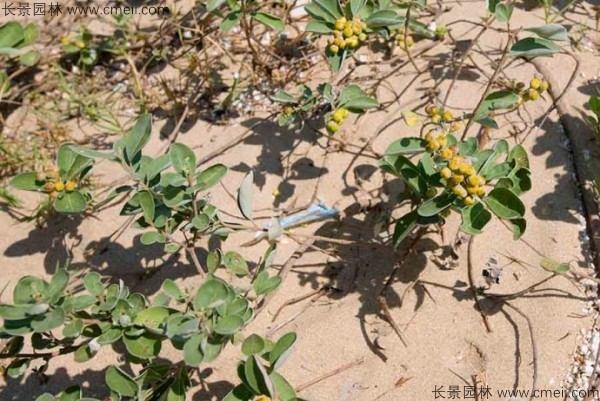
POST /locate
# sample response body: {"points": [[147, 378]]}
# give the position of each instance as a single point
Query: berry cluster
{"points": [[347, 35], [537, 86], [53, 184], [399, 37], [441, 117], [337, 119]]}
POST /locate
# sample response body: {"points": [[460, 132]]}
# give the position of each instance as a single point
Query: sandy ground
{"points": [[446, 341]]}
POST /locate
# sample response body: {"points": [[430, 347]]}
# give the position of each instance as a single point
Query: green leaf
{"points": [[83, 354], [356, 6], [405, 145], [29, 58], [93, 283], [284, 97], [518, 227], [518, 154], [228, 325], [72, 393], [146, 201], [11, 34], [178, 388], [332, 7], [239, 393], [235, 262], [245, 195], [315, 26], [17, 367], [210, 177], [257, 377], [400, 166], [120, 382], [70, 202], [554, 32], [145, 346], [384, 19], [48, 321], [254, 344], [404, 226], [554, 266], [30, 34], [210, 295], [231, 20], [269, 20], [435, 205], [533, 47], [212, 5], [263, 284], [27, 182], [46, 397], [474, 218], [282, 349], [138, 137], [152, 318], [496, 101], [505, 204], [183, 159], [359, 104], [284, 390], [192, 353], [152, 237], [503, 12], [29, 290]]}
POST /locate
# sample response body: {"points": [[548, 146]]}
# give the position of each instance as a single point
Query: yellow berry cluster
{"points": [[337, 119], [400, 39], [537, 86], [458, 173], [53, 184], [461, 177], [347, 35], [438, 116]]}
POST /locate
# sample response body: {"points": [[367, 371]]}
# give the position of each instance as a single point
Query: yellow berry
{"points": [[457, 178], [535, 83], [429, 136], [446, 153], [348, 24], [455, 163], [65, 40], [410, 41], [432, 146], [339, 42], [436, 119], [262, 398], [332, 127], [446, 173], [480, 191], [340, 24], [339, 116], [334, 49], [362, 37], [352, 42], [49, 186], [348, 32], [532, 94], [459, 191], [544, 86], [288, 110], [363, 25], [455, 126], [519, 101], [39, 176], [469, 201], [70, 186], [59, 186], [466, 169], [430, 109], [447, 116], [472, 190], [443, 140], [80, 43], [356, 28]]}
